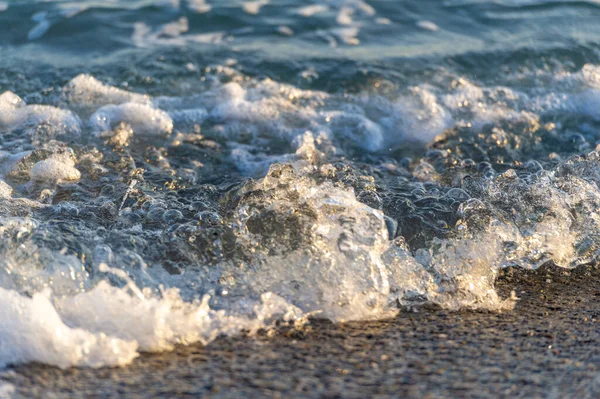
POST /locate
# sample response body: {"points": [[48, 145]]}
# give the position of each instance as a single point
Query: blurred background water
{"points": [[479, 38]]}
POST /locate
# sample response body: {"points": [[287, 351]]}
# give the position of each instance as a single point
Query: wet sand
{"points": [[547, 347]]}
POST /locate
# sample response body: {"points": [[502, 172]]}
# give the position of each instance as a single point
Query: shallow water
{"points": [[173, 171]]}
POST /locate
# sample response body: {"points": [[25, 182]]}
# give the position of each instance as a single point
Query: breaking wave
{"points": [[133, 222]]}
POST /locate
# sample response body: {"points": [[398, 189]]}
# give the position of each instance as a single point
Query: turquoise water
{"points": [[300, 30], [174, 171]]}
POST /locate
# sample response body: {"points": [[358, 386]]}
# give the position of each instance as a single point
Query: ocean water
{"points": [[175, 171]]}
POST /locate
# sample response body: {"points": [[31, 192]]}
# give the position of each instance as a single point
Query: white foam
{"points": [[106, 326], [359, 129], [5, 190], [170, 34], [365, 7], [420, 116], [285, 30], [428, 25], [252, 163], [144, 119], [16, 114], [344, 16], [61, 120], [253, 7], [174, 29], [208, 38], [348, 35], [314, 9], [7, 390], [267, 109], [11, 107], [573, 93], [86, 94], [55, 170], [344, 270], [3, 6], [157, 324], [271, 110], [199, 6], [55, 313], [32, 330]]}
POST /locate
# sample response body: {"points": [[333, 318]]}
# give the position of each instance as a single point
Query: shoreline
{"points": [[548, 346]]}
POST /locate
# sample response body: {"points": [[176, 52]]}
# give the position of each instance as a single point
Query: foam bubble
{"points": [[16, 114], [54, 170], [144, 119], [10, 107], [419, 115], [86, 94]]}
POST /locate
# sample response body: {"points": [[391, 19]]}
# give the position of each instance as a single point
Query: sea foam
{"points": [[110, 248]]}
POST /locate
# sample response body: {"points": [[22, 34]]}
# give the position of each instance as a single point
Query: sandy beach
{"points": [[548, 347]]}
